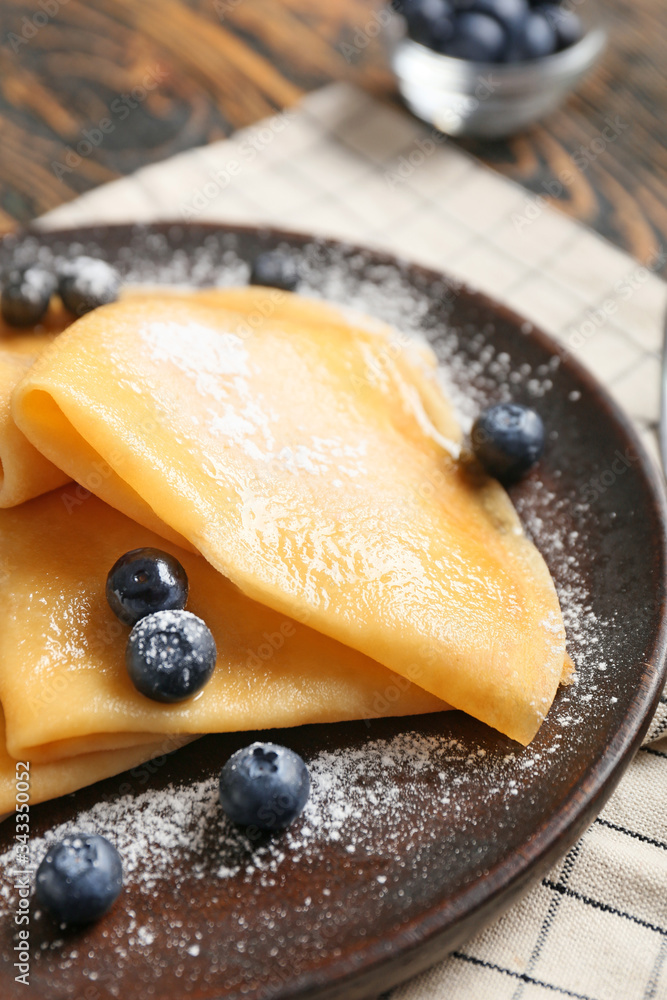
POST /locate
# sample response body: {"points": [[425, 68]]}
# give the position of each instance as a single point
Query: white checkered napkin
{"points": [[658, 728], [595, 928]]}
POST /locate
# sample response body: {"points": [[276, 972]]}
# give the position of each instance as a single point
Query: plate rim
{"points": [[431, 936]]}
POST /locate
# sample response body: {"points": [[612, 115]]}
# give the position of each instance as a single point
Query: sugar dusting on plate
{"points": [[358, 800]]}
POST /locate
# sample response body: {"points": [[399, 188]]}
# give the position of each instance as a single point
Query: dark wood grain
{"points": [[454, 861], [226, 63]]}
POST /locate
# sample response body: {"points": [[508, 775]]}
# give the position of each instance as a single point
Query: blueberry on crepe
{"points": [[508, 439], [144, 581], [170, 655]]}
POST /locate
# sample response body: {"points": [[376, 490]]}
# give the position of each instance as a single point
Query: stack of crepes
{"points": [[303, 465]]}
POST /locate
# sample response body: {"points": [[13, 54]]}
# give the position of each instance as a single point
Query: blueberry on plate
{"points": [[86, 283], [478, 37], [144, 581], [170, 655], [26, 295], [508, 439], [274, 269], [79, 878], [264, 785], [430, 22]]}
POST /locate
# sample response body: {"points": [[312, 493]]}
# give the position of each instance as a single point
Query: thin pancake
{"points": [[24, 472], [63, 683], [306, 460]]}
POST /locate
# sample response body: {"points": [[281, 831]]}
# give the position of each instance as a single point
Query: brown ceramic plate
{"points": [[422, 829]]}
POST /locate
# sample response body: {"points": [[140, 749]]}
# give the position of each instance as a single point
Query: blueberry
{"points": [[79, 878], [274, 269], [430, 22], [478, 37], [170, 655], [565, 24], [264, 785], [144, 581], [508, 439], [511, 15], [86, 283], [538, 38], [26, 295]]}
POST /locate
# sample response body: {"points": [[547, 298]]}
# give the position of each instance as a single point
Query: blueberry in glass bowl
{"points": [[489, 68]]}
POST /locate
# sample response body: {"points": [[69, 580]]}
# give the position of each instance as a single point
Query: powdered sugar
{"points": [[358, 799]]}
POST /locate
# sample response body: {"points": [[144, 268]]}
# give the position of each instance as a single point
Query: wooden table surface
{"points": [[211, 66]]}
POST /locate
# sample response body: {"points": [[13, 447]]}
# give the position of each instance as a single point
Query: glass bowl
{"points": [[489, 100]]}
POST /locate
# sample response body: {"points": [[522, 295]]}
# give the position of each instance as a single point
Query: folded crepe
{"points": [[24, 472], [64, 686], [311, 459], [54, 778]]}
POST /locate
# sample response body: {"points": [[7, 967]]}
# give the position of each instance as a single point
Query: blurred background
{"points": [[93, 91], [173, 74]]}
